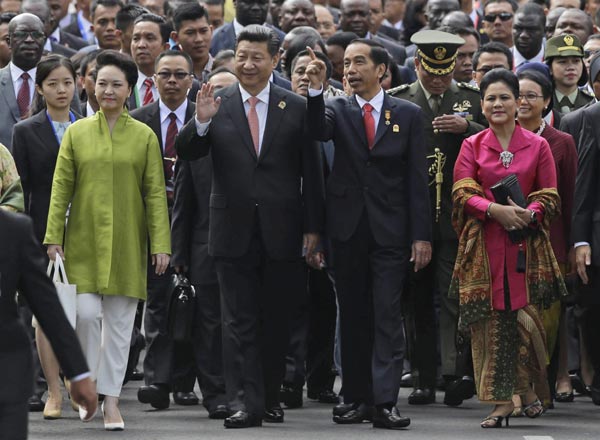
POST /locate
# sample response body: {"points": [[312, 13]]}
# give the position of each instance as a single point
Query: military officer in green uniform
{"points": [[564, 57], [451, 112]]}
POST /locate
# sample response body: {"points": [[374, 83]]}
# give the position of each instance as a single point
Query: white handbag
{"points": [[67, 293]]}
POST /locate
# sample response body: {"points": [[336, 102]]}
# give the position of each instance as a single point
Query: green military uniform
{"points": [[568, 45], [436, 52]]}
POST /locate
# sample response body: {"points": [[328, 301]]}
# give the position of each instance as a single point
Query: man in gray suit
{"points": [[17, 80]]}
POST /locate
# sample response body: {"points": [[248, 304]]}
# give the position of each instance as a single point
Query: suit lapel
{"points": [[356, 118], [275, 113], [8, 92], [45, 132], [388, 105], [154, 123], [449, 100], [419, 98], [190, 111], [235, 107]]}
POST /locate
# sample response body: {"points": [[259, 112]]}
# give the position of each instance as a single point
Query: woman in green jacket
{"points": [[109, 170]]}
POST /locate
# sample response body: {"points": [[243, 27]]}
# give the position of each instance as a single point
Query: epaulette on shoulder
{"points": [[398, 89], [587, 93], [464, 85]]}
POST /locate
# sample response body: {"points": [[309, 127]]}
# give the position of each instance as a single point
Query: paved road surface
{"points": [[579, 420]]}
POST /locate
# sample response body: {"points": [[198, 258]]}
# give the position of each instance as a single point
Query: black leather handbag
{"points": [[182, 296], [509, 187]]}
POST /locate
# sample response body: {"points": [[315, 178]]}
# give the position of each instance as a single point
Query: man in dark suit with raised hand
{"points": [[378, 219], [266, 205], [22, 268]]}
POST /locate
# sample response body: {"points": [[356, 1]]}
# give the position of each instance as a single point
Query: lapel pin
{"points": [[388, 115], [396, 128], [281, 105]]}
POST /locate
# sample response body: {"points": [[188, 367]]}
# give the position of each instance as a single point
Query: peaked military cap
{"points": [[437, 50], [566, 45]]}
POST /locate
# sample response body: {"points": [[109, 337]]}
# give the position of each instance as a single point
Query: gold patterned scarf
{"points": [[471, 280]]}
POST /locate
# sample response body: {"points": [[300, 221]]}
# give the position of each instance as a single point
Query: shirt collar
{"points": [[572, 97], [141, 79], [376, 101], [263, 96], [16, 72], [237, 27], [89, 110], [55, 35], [427, 93], [519, 59], [166, 111]]}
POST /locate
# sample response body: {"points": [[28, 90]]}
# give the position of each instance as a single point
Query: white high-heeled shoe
{"points": [[83, 414], [115, 426]]}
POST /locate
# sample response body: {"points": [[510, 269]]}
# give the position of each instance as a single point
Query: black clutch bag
{"points": [[509, 187], [181, 308]]}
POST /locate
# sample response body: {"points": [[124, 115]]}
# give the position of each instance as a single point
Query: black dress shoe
{"points": [[137, 374], [595, 393], [185, 398], [421, 396], [36, 404], [357, 414], [325, 396], [407, 380], [341, 409], [458, 390], [155, 395], [273, 415], [565, 397], [220, 412], [241, 419], [389, 419], [291, 397]]}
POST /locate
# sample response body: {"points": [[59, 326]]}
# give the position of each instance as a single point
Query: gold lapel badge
{"points": [[388, 115], [281, 105], [396, 128]]}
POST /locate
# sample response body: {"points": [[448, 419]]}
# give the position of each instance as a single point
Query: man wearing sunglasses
{"points": [[498, 20], [26, 40]]}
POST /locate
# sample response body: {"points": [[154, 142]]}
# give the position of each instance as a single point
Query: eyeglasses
{"points": [[589, 53], [22, 35], [486, 69], [178, 75], [504, 16], [530, 97]]}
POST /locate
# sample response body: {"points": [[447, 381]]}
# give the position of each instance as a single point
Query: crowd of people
{"points": [[395, 192]]}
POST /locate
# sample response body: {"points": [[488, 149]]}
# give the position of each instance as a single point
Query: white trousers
{"points": [[104, 326]]}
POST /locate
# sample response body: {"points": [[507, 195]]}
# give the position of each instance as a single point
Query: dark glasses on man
{"points": [[504, 16]]}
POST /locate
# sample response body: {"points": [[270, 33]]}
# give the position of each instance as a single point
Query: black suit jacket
{"points": [[35, 149], [132, 104], [190, 225], [22, 267], [572, 122], [72, 41], [282, 188], [62, 50], [389, 181]]}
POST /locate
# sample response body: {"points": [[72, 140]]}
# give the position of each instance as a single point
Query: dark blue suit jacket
{"points": [[389, 181]]}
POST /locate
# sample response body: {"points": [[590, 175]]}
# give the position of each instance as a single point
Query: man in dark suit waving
{"points": [[266, 203], [378, 219]]}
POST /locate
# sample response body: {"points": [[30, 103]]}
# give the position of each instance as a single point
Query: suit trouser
{"points": [[369, 283], [104, 325], [590, 326], [14, 419], [205, 352], [257, 295]]}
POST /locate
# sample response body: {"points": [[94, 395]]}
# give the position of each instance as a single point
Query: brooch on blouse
{"points": [[506, 157]]}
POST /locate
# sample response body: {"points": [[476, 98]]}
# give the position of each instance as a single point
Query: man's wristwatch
{"points": [[533, 219]]}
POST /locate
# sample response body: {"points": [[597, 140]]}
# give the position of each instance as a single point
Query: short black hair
{"points": [[121, 61], [106, 4], [319, 55], [299, 44], [221, 69], [532, 8], [86, 60], [174, 53], [6, 17], [512, 3], [342, 39], [500, 75], [256, 33], [378, 53], [493, 47], [222, 57], [460, 31], [127, 14], [163, 26], [188, 11]]}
